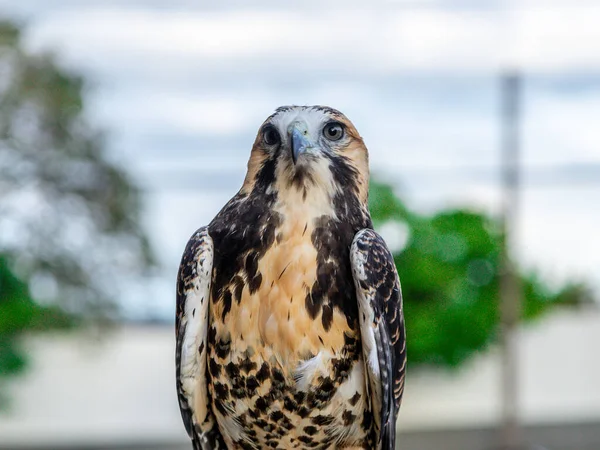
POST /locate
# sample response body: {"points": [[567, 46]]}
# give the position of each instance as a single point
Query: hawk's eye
{"points": [[271, 136], [333, 131]]}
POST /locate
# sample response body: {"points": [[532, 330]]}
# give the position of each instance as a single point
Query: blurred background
{"points": [[125, 125]]}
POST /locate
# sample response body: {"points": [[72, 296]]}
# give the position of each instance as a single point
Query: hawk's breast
{"points": [[285, 364]]}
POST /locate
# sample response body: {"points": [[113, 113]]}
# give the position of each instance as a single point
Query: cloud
{"points": [[209, 113], [561, 127], [365, 41], [557, 233], [547, 39]]}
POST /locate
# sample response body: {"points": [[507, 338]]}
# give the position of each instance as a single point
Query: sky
{"points": [[182, 86]]}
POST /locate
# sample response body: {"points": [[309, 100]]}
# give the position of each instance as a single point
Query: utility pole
{"points": [[510, 289]]}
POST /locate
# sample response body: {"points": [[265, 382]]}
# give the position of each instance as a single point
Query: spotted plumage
{"points": [[289, 327]]}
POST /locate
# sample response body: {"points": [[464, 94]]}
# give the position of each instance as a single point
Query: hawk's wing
{"points": [[382, 329], [191, 325]]}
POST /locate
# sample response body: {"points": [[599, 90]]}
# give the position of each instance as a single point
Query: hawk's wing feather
{"points": [[382, 329], [191, 326]]}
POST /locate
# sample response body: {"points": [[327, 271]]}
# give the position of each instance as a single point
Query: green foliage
{"points": [[69, 216], [19, 313], [449, 270]]}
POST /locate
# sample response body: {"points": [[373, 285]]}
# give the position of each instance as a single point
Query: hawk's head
{"points": [[309, 154]]}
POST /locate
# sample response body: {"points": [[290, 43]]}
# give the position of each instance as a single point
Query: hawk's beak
{"points": [[299, 139]]}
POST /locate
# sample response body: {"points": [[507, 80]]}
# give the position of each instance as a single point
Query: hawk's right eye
{"points": [[271, 136]]}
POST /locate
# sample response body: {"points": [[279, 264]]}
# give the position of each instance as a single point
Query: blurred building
{"points": [[118, 393]]}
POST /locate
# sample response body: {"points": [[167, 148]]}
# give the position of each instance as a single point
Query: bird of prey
{"points": [[289, 324]]}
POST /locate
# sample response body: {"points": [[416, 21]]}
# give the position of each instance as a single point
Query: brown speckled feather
{"points": [[382, 328]]}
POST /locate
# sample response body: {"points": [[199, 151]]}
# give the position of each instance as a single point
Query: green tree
{"points": [[449, 270], [70, 225]]}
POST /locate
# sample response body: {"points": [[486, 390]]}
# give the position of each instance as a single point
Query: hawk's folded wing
{"points": [[191, 325], [382, 329]]}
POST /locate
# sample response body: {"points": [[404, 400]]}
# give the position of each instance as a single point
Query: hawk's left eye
{"points": [[333, 131]]}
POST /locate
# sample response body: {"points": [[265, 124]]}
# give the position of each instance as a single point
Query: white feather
{"points": [[311, 368], [193, 362], [313, 118]]}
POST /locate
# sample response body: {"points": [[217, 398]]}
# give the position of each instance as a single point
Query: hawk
{"points": [[289, 324]]}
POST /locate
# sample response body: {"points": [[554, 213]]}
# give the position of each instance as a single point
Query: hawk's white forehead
{"points": [[313, 116]]}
